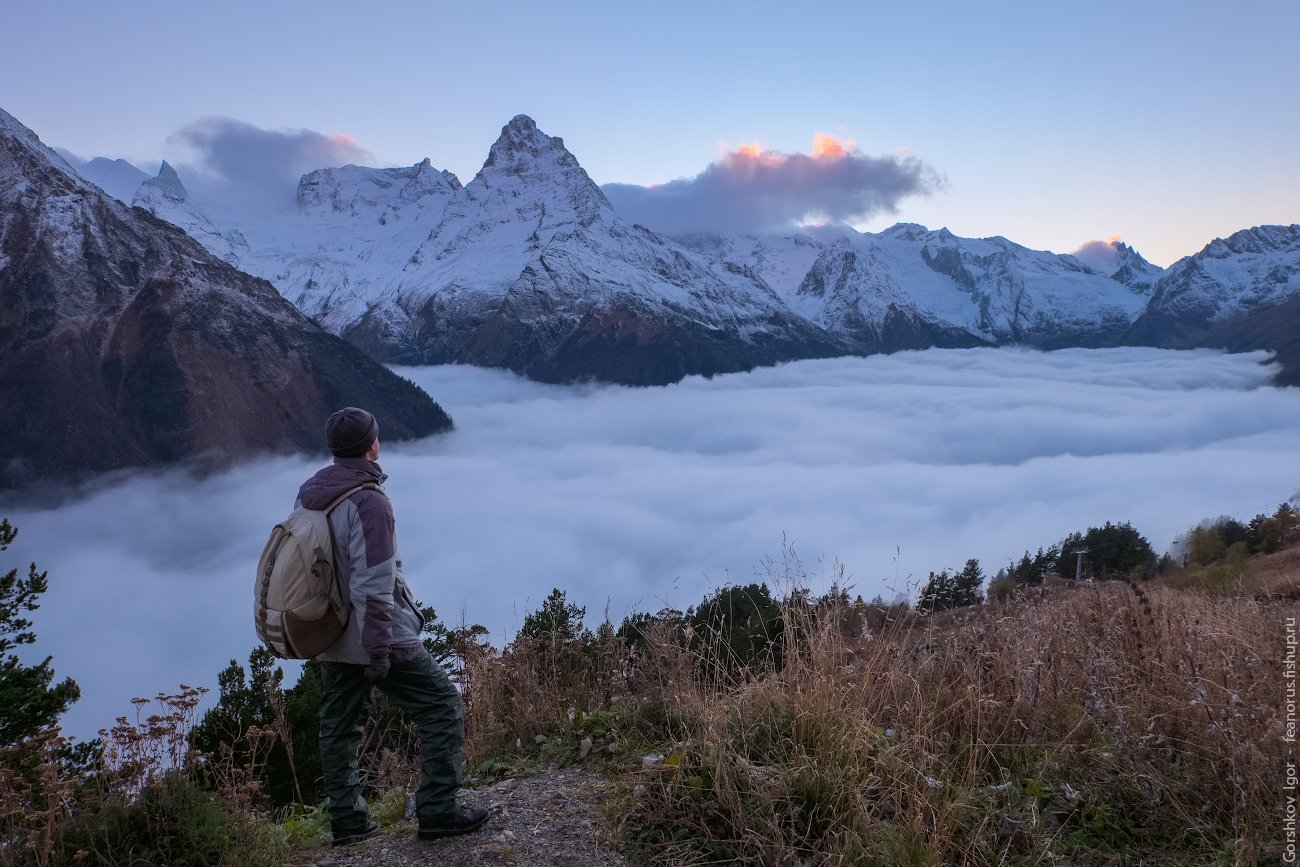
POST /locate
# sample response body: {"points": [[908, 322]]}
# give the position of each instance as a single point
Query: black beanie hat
{"points": [[350, 432]]}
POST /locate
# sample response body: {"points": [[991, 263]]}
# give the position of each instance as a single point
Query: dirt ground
{"points": [[555, 818]]}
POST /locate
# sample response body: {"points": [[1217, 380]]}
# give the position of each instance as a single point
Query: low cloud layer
{"points": [[630, 499], [252, 159], [752, 189]]}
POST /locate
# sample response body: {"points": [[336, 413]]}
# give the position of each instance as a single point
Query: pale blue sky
{"points": [[1164, 123]]}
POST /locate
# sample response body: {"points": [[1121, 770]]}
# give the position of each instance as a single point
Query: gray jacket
{"points": [[385, 623]]}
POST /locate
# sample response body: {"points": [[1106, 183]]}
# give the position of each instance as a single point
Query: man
{"points": [[380, 647]]}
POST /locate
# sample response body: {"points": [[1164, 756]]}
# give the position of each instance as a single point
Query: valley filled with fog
{"points": [[635, 498]]}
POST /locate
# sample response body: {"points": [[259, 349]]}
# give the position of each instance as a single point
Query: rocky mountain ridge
{"points": [[529, 267], [128, 343], [1229, 279], [526, 267]]}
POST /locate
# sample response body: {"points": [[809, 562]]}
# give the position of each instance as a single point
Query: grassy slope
{"points": [[1099, 724]]}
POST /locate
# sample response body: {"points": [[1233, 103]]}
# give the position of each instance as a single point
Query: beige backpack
{"points": [[298, 607]]}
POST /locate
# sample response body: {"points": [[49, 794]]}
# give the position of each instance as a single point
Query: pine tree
{"points": [[557, 620], [1032, 570], [738, 626], [967, 584], [29, 698], [1112, 550], [1269, 533]]}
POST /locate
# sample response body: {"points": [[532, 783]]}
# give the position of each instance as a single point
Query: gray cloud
{"points": [[252, 159], [1101, 256], [634, 498], [754, 190]]}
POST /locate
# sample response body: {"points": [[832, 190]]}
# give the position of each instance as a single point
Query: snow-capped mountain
{"points": [[850, 291], [119, 178], [1251, 270], [529, 267], [525, 267], [781, 261], [355, 190], [128, 343], [910, 287], [165, 197], [1134, 271], [351, 232]]}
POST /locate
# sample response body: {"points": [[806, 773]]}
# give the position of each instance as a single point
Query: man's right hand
{"points": [[377, 669]]}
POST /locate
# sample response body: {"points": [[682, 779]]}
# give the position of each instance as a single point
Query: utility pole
{"points": [[1078, 564]]}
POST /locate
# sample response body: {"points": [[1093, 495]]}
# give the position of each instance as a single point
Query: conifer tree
{"points": [[967, 584], [557, 619], [938, 592], [29, 697], [738, 626], [1112, 550], [1033, 569]]}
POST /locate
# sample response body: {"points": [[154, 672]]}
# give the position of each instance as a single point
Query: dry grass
{"points": [[535, 686], [1100, 724], [1264, 576]]}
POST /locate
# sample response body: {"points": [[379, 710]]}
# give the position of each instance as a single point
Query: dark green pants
{"points": [[420, 688]]}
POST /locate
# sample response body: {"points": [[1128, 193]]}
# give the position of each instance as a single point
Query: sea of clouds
{"points": [[635, 498]]}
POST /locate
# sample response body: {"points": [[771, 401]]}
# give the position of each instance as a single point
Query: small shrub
{"points": [[171, 821]]}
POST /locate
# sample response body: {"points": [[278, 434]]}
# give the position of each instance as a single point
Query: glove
{"points": [[377, 669]]}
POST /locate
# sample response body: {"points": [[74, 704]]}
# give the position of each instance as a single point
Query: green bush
{"points": [[173, 821], [737, 628]]}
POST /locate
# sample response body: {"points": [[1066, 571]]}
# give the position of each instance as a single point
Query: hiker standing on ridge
{"points": [[380, 647]]}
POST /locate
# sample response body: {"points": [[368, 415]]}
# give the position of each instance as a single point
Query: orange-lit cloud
{"points": [[826, 145], [756, 188], [752, 152]]}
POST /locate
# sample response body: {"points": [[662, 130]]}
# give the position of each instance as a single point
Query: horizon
{"points": [[1053, 130]]}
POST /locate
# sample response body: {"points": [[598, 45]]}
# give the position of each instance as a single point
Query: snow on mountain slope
{"points": [[852, 291], [1006, 293], [1251, 270], [352, 230], [165, 197], [1133, 270], [781, 261], [119, 178], [958, 291], [355, 189]]}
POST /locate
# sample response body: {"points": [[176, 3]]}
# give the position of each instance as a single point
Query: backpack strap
{"points": [[349, 492], [343, 595]]}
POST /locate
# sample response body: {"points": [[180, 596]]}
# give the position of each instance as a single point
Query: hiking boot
{"points": [[465, 820], [347, 838]]}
